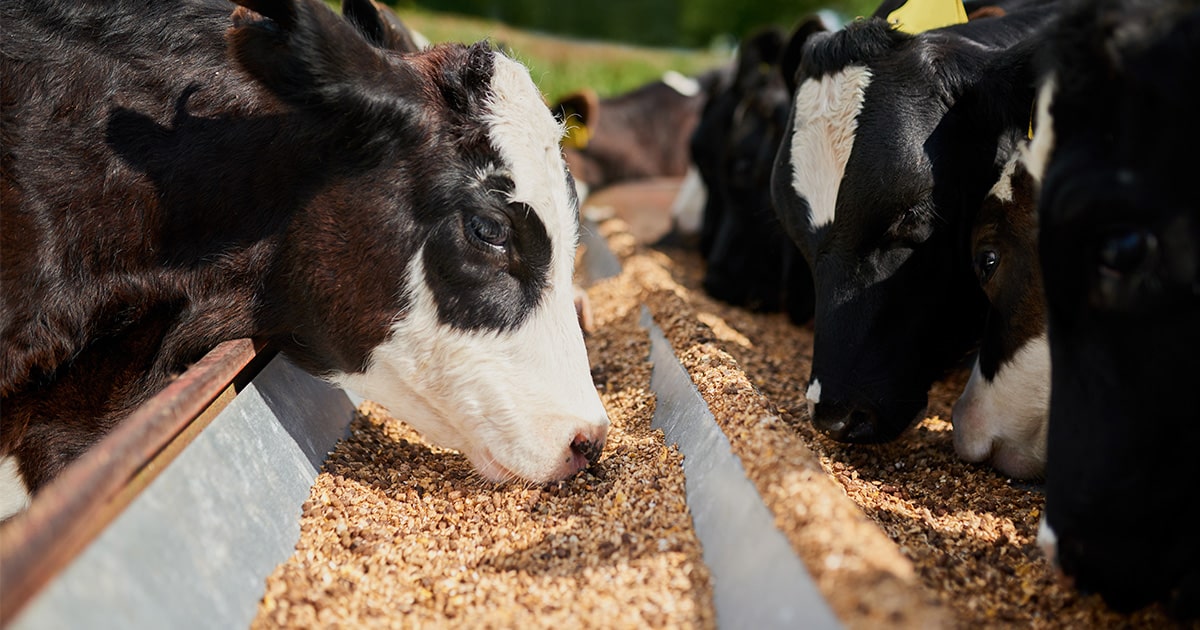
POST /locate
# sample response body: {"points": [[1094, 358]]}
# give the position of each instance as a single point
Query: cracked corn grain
{"points": [[965, 532], [397, 533]]}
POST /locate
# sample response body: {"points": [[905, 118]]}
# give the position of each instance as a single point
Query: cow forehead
{"points": [[527, 136], [825, 123], [1038, 153]]}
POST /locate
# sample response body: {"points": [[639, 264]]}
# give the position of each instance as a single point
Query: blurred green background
{"points": [[672, 23], [608, 47]]}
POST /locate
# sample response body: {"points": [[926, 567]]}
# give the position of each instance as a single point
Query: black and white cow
{"points": [[176, 174], [1120, 250], [892, 144], [1002, 414], [639, 134], [751, 262]]}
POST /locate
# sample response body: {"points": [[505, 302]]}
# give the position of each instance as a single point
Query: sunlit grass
{"points": [[560, 66]]}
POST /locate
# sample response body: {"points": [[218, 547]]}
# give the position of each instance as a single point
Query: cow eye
{"points": [[985, 265], [487, 231], [1125, 250]]}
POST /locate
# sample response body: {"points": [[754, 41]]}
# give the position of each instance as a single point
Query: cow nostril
{"points": [[588, 448], [856, 424]]}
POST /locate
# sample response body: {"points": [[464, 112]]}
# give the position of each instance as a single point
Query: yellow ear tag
{"points": [[577, 136], [918, 16]]}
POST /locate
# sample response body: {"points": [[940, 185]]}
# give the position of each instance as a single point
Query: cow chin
{"points": [[1005, 418], [865, 424]]}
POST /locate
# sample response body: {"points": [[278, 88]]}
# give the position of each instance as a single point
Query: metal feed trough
{"points": [[176, 519]]}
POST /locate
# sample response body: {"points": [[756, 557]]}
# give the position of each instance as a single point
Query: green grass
{"points": [[560, 66]]}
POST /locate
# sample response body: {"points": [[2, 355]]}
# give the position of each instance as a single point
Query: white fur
{"points": [[826, 119], [511, 402], [688, 206], [814, 392], [14, 494], [686, 86], [813, 396], [1003, 190], [1047, 540], [1042, 145], [1005, 419]]}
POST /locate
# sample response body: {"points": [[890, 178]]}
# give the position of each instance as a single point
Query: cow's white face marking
{"points": [[511, 401], [688, 207], [826, 119], [1039, 149], [14, 494], [1003, 190], [1006, 418]]}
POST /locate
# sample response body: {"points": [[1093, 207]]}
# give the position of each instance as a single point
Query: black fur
{"points": [[176, 174], [897, 302], [1120, 248]]}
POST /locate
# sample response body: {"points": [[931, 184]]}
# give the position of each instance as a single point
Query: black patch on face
{"points": [[488, 265]]}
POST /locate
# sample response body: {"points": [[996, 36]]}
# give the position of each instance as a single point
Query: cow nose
{"points": [[587, 445], [720, 286], [852, 423]]}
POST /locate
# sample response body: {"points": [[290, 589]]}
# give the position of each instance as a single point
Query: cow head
{"points": [[751, 261], [893, 141], [433, 274], [1002, 413], [1120, 251]]}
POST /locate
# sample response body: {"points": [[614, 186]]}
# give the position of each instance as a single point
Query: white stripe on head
{"points": [[1042, 145], [1003, 189], [1006, 418], [527, 136], [826, 119], [688, 206], [14, 494]]}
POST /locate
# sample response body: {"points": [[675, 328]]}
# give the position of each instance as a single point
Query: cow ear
{"points": [[311, 58], [578, 112], [793, 51], [989, 118], [379, 25], [758, 53]]}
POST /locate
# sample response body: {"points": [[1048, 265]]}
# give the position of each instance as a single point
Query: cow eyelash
{"points": [[488, 231]]}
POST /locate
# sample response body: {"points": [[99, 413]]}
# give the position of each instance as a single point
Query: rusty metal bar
{"points": [[70, 511]]}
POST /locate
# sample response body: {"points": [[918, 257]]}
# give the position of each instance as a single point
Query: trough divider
{"points": [[76, 506], [763, 587]]}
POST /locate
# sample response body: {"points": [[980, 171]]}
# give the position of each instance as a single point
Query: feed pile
{"points": [[966, 533], [397, 533]]}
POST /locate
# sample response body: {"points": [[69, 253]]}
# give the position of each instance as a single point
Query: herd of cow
{"points": [[874, 180], [401, 220]]}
